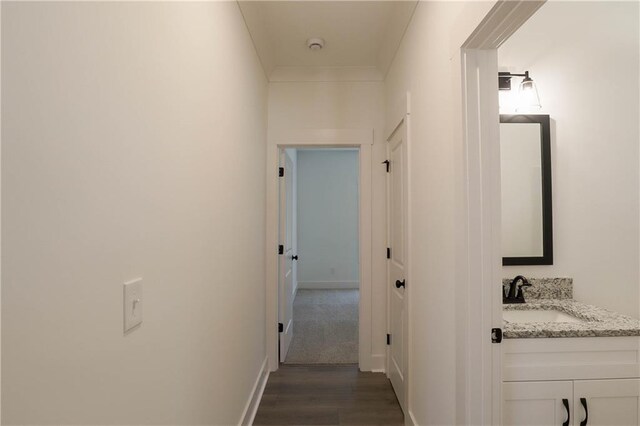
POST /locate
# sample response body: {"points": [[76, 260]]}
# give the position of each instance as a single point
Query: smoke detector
{"points": [[315, 43]]}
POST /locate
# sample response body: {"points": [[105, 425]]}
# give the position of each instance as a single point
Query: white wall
{"points": [[134, 139], [1, 133], [428, 65], [584, 58], [328, 212], [303, 104]]}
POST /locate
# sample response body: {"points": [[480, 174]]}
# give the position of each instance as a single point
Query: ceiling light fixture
{"points": [[315, 43], [528, 98]]}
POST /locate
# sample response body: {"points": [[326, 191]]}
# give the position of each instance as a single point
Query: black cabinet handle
{"points": [[583, 401], [294, 257], [565, 402], [399, 283]]}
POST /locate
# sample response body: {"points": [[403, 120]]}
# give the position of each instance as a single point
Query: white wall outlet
{"points": [[132, 304]]}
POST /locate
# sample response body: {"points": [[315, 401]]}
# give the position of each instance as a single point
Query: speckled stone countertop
{"points": [[555, 294]]}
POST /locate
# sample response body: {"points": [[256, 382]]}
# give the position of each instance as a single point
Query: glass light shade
{"points": [[528, 98]]}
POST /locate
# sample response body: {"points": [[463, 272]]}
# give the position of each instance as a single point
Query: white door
{"points": [[397, 199], [607, 402], [286, 270], [538, 403]]}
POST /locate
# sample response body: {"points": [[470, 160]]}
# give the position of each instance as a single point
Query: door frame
{"points": [[320, 138], [480, 302]]}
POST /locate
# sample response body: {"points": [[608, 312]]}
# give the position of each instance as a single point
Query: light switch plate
{"points": [[132, 304]]}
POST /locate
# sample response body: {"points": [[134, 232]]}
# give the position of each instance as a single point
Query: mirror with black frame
{"points": [[525, 154]]}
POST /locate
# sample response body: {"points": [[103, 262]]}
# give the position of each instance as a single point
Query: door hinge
{"points": [[388, 339], [387, 162], [280, 249], [280, 327], [281, 171], [496, 335], [388, 252]]}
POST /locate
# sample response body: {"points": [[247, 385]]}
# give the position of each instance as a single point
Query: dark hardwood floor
{"points": [[328, 395]]}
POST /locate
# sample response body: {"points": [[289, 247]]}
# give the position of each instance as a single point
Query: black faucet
{"points": [[515, 295]]}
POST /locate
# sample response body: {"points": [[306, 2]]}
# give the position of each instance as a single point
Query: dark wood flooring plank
{"points": [[328, 395], [371, 416], [297, 416]]}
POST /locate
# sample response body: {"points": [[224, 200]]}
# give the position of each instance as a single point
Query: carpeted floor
{"points": [[325, 327]]}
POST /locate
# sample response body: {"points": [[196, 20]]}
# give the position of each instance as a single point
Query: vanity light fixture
{"points": [[528, 98]]}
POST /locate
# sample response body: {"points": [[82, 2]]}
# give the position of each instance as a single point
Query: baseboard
{"points": [[329, 285], [251, 408], [410, 420], [378, 363]]}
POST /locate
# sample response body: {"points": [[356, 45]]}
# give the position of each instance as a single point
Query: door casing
{"points": [[478, 292], [321, 138]]}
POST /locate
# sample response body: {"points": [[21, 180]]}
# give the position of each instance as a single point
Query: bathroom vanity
{"points": [[568, 363]]}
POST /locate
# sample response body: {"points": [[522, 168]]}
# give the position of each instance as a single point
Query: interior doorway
{"points": [[480, 308], [362, 140], [319, 268]]}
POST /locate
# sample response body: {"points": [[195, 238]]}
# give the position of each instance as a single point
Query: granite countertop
{"points": [[598, 322], [557, 294]]}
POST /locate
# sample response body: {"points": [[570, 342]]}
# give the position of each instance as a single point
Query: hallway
{"points": [[174, 174], [328, 395]]}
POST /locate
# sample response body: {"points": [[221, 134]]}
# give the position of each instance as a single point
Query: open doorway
{"points": [[362, 141], [319, 269]]}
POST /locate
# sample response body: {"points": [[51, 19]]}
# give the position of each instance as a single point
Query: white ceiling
{"points": [[356, 33]]}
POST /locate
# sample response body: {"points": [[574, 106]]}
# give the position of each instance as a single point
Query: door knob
{"points": [[294, 257], [399, 283]]}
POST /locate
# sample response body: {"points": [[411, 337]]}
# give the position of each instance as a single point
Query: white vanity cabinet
{"points": [[536, 403], [547, 380], [608, 402], [570, 403]]}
